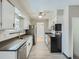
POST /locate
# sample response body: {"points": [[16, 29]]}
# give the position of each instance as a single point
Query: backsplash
{"points": [[4, 35]]}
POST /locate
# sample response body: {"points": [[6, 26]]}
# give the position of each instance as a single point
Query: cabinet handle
{"points": [[29, 44], [13, 25], [1, 24]]}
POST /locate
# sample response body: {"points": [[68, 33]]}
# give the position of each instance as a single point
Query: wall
{"points": [[75, 35], [65, 32], [69, 12], [73, 12], [34, 21], [60, 13], [57, 17], [5, 35], [52, 20]]}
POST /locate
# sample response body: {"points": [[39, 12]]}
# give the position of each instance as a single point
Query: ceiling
{"points": [[33, 7], [23, 6], [40, 5]]}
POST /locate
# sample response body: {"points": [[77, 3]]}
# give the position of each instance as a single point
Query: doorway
{"points": [[40, 32], [75, 37]]}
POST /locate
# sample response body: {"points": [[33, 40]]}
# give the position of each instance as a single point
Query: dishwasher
{"points": [[22, 52]]}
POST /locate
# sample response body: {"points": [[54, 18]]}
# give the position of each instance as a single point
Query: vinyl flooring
{"points": [[40, 51]]}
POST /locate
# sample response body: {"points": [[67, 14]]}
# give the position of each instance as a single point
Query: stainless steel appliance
{"points": [[58, 27], [58, 34], [31, 32]]}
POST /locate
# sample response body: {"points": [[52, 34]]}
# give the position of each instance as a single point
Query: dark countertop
{"points": [[13, 44], [54, 34], [50, 34]]}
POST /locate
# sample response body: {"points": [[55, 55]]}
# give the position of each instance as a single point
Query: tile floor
{"points": [[40, 51]]}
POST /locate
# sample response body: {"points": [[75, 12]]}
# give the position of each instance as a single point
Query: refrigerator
{"points": [[31, 32]]}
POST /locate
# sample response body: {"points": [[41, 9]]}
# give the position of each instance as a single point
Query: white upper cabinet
{"points": [[26, 23], [8, 17], [21, 21]]}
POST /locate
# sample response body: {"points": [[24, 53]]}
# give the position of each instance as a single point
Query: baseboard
{"points": [[67, 56]]}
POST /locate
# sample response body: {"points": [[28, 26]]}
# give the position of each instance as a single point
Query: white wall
{"points": [[5, 35], [52, 20], [69, 12], [65, 32], [75, 35], [60, 13], [57, 17]]}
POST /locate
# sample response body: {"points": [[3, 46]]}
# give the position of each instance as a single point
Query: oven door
{"points": [[22, 52]]}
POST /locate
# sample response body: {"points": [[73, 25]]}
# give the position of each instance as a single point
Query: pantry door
{"points": [[40, 32]]}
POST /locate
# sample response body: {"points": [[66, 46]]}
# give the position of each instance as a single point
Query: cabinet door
{"points": [[7, 14], [21, 24], [29, 45], [22, 52], [26, 23]]}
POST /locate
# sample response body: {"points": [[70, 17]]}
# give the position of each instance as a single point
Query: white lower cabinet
{"points": [[19, 53], [29, 44], [8, 55]]}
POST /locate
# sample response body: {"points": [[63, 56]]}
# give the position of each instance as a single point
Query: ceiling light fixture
{"points": [[40, 15]]}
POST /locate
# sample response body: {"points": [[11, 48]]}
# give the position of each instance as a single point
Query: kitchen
{"points": [[18, 30]]}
